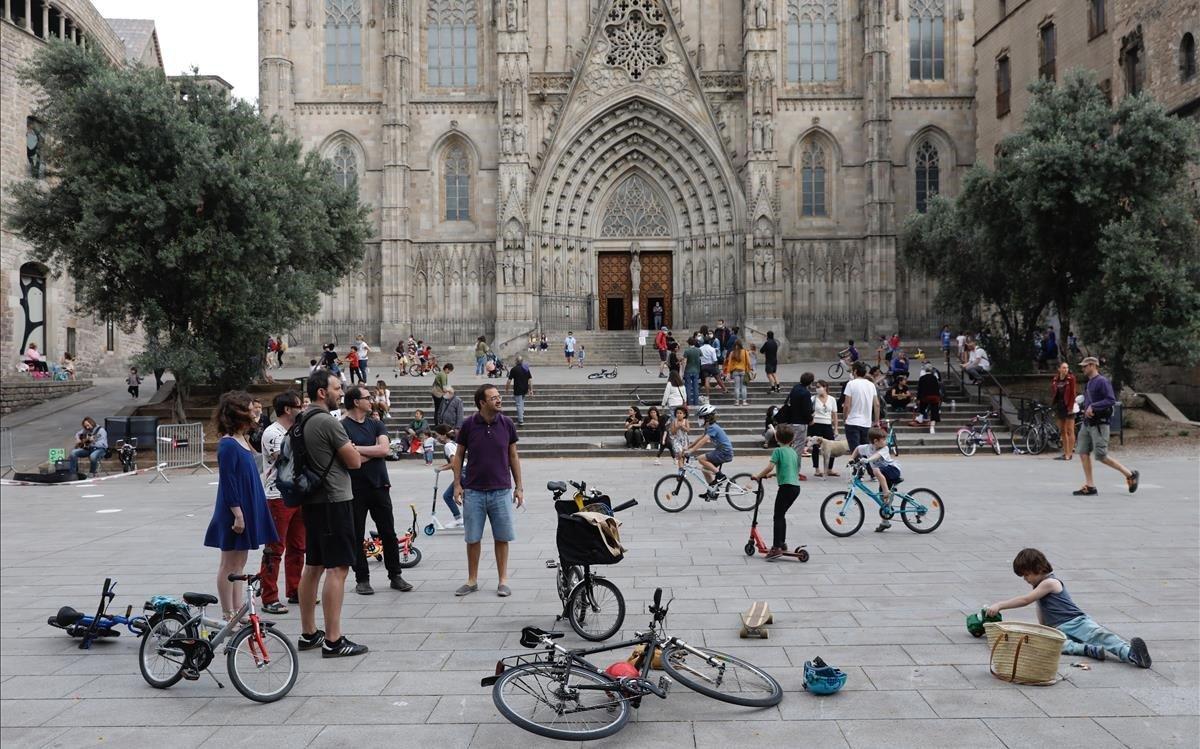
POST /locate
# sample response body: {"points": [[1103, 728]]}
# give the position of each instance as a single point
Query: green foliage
{"points": [[1086, 212], [174, 208]]}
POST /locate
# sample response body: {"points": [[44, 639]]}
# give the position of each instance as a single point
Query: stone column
{"points": [[396, 242], [276, 91], [45, 20], [880, 208], [29, 15]]}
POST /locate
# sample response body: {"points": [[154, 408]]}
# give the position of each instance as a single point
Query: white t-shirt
{"points": [[862, 394], [883, 456], [979, 358], [823, 412], [708, 355], [362, 348], [272, 439], [961, 341], [569, 344], [449, 449]]}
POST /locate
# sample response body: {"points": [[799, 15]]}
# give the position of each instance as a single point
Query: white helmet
{"points": [[707, 410]]}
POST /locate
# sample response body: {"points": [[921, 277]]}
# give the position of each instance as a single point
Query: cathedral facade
{"points": [[552, 165]]}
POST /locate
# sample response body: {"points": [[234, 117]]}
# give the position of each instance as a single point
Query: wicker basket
{"points": [[1024, 653]]}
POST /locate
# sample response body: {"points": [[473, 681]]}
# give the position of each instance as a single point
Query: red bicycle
{"points": [[756, 540], [410, 555]]}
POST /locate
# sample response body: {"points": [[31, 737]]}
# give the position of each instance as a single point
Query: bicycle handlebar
{"points": [[580, 486], [625, 505], [248, 578]]}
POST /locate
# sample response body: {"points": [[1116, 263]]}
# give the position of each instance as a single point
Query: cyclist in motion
{"points": [[721, 452]]}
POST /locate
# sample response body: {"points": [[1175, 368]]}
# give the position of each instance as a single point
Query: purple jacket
{"points": [[1098, 394]]}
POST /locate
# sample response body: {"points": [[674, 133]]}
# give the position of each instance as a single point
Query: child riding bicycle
{"points": [[883, 465], [722, 451]]}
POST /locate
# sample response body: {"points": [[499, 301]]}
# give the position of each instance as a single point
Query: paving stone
{"points": [[36, 687], [384, 710], [853, 655], [918, 734], [916, 677], [870, 705], [1153, 733], [118, 713], [256, 737], [24, 713], [1052, 732], [443, 737], [1169, 700], [29, 737], [649, 736], [981, 703], [723, 734], [174, 736]]}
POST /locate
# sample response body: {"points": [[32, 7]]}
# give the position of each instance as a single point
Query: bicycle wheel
{"points": [[1020, 438], [596, 609], [410, 558], [729, 679], [1035, 441], [841, 514], [923, 522], [611, 375], [565, 580], [255, 677], [594, 375], [836, 371], [161, 666], [541, 698], [966, 442], [673, 493], [991, 439], [736, 493]]}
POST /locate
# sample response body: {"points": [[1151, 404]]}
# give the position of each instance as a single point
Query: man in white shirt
{"points": [[860, 406], [709, 368], [289, 522], [978, 363], [569, 348], [360, 345]]}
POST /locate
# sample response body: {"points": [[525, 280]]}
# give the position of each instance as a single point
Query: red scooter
{"points": [[756, 540]]}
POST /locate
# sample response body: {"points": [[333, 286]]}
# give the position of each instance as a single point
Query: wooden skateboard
{"points": [[755, 621]]}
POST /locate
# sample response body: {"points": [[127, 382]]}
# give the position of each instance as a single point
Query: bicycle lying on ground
{"points": [[978, 433], [603, 374], [261, 661], [842, 514], [591, 603], [559, 694], [102, 623], [673, 492]]}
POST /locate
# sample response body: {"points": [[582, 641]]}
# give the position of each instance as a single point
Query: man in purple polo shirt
{"points": [[1098, 402], [488, 441]]}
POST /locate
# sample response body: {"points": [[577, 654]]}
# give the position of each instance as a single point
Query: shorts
{"points": [[495, 506], [662, 355], [570, 354], [771, 367], [329, 535], [1093, 440], [710, 370], [891, 473], [716, 457]]}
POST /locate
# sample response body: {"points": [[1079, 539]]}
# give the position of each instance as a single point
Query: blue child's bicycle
{"points": [[842, 514], [101, 624]]}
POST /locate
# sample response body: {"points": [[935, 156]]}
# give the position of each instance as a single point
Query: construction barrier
{"points": [[179, 446], [6, 452]]}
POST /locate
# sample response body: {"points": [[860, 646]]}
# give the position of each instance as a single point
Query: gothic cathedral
{"points": [[556, 164]]}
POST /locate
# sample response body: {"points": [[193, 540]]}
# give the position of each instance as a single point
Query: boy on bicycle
{"points": [[722, 451], [883, 464]]}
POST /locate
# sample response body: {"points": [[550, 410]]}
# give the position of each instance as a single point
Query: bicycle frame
{"points": [[858, 485], [228, 628]]}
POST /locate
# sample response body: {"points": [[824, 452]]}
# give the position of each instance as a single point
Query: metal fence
{"points": [[826, 327], [565, 312], [437, 332], [695, 310], [6, 452], [339, 332], [179, 446]]}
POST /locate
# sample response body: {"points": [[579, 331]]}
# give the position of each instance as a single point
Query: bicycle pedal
{"points": [[664, 683], [551, 564], [191, 674]]}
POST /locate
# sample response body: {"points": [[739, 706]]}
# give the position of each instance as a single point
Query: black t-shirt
{"points": [[520, 376], [770, 350], [374, 470]]}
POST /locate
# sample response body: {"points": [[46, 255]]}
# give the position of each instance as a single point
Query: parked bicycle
{"points": [[603, 374], [1040, 432], [842, 514], [969, 438], [559, 694], [673, 492], [261, 661], [591, 603]]}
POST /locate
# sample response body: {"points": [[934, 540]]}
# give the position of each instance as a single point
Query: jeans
{"points": [[362, 371], [1082, 631], [787, 494], [856, 436], [520, 401], [377, 502], [95, 455], [479, 360], [691, 381], [976, 373], [739, 386], [448, 498], [289, 524]]}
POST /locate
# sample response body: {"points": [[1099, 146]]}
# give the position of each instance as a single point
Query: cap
{"points": [[665, 329], [1089, 360]]}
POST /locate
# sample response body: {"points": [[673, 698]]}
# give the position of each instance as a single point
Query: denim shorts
{"points": [[494, 506]]}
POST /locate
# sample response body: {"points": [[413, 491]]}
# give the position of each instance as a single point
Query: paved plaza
{"points": [[886, 608]]}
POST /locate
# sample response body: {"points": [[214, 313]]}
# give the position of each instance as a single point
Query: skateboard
{"points": [[755, 621]]}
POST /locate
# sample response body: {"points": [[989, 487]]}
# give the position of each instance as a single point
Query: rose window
{"points": [[635, 30]]}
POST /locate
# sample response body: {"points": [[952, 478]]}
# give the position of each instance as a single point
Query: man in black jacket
{"points": [[798, 410]]}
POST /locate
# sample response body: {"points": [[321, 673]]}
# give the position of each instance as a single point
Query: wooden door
{"points": [[614, 282], [655, 284]]}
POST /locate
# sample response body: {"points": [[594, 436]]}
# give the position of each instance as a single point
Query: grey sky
{"points": [[220, 37]]}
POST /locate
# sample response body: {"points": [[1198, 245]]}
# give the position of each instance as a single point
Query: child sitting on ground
{"points": [[445, 437], [883, 465], [786, 464], [1056, 609]]}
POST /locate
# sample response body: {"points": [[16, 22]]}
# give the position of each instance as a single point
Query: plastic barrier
{"points": [[179, 446], [6, 452]]}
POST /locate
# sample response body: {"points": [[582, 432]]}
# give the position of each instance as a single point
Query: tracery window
{"points": [[345, 166], [812, 179], [927, 40], [343, 42], [812, 41], [928, 177], [635, 30], [634, 211], [452, 36], [457, 169]]}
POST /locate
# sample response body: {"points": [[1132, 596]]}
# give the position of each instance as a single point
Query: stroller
{"points": [[495, 366]]}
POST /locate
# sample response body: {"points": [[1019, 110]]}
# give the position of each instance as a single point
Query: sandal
{"points": [[1132, 481], [833, 474], [1085, 491], [274, 607]]}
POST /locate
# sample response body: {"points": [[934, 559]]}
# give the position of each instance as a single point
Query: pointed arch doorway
{"points": [[634, 259]]}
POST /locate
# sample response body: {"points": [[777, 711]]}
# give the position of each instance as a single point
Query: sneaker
{"points": [[274, 607], [883, 526], [400, 584], [1139, 654], [1087, 491], [364, 589], [1095, 652], [308, 642], [456, 523], [343, 648], [774, 554]]}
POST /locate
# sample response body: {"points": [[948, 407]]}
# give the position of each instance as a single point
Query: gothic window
{"points": [[345, 166], [1187, 57], [1047, 52], [33, 304], [34, 152], [812, 180], [457, 170], [634, 211], [451, 29], [1096, 21], [928, 178], [343, 42], [1003, 86], [812, 40], [927, 40], [635, 30], [1132, 64]]}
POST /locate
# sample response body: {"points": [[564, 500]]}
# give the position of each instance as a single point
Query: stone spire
{"points": [[277, 96], [395, 242], [880, 208]]}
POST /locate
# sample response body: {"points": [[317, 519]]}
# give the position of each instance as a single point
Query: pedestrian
{"points": [[737, 367], [860, 405], [381, 399], [289, 523], [488, 442], [1098, 402], [798, 411], [330, 544], [444, 436], [946, 340], [824, 424], [678, 436], [710, 365], [371, 488], [352, 363], [652, 428], [481, 352], [657, 314], [1062, 402], [770, 352], [569, 348], [785, 464], [520, 380], [241, 520], [660, 344], [364, 352], [91, 441], [693, 358], [720, 335], [281, 349], [34, 359], [674, 363], [452, 410], [960, 342], [441, 381], [133, 381], [1049, 349], [929, 397]]}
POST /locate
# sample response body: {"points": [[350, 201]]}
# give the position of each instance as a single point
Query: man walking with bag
{"points": [[1098, 402]]}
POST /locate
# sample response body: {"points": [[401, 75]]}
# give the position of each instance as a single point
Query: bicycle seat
{"points": [[199, 599], [66, 616], [556, 486], [531, 637]]}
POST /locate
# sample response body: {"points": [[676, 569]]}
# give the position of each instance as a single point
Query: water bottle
{"points": [[953, 406]]}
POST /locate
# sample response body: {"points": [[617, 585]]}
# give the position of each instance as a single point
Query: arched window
{"points": [[33, 305], [343, 42], [457, 169], [927, 40], [1187, 56], [34, 152], [928, 178], [812, 41], [450, 28], [345, 166], [812, 179]]}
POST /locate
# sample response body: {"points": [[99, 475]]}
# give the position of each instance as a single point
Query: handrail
{"points": [[979, 386]]}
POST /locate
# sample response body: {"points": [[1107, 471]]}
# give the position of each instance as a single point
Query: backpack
{"points": [[294, 477]]}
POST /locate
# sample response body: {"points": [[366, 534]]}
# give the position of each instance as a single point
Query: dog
{"points": [[830, 449]]}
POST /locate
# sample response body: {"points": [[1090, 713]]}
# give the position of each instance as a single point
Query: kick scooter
{"points": [[756, 542], [435, 524]]}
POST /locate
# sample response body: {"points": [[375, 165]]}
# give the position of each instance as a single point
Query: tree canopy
{"points": [[173, 207], [1086, 213]]}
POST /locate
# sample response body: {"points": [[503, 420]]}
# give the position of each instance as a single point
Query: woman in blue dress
{"points": [[241, 520]]}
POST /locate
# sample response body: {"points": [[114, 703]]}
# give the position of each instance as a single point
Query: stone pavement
{"points": [[886, 608]]}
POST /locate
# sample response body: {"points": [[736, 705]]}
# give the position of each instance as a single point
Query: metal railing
{"points": [[444, 332], [695, 310], [179, 446], [338, 332], [826, 327], [565, 312]]}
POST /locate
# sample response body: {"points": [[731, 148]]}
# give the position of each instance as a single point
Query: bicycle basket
{"points": [[579, 543]]}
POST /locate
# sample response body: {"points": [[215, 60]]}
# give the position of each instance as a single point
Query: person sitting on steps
{"points": [[721, 453]]}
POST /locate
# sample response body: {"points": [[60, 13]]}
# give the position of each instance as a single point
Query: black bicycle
{"points": [[592, 603], [559, 694]]}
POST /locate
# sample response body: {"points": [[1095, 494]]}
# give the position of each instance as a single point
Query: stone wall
{"points": [[20, 391]]}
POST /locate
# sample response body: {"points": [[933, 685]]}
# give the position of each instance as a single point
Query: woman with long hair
{"points": [[241, 519], [652, 427], [633, 427], [1062, 400], [737, 366]]}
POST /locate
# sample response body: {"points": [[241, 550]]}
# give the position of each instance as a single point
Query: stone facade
{"points": [[542, 164], [34, 304]]}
